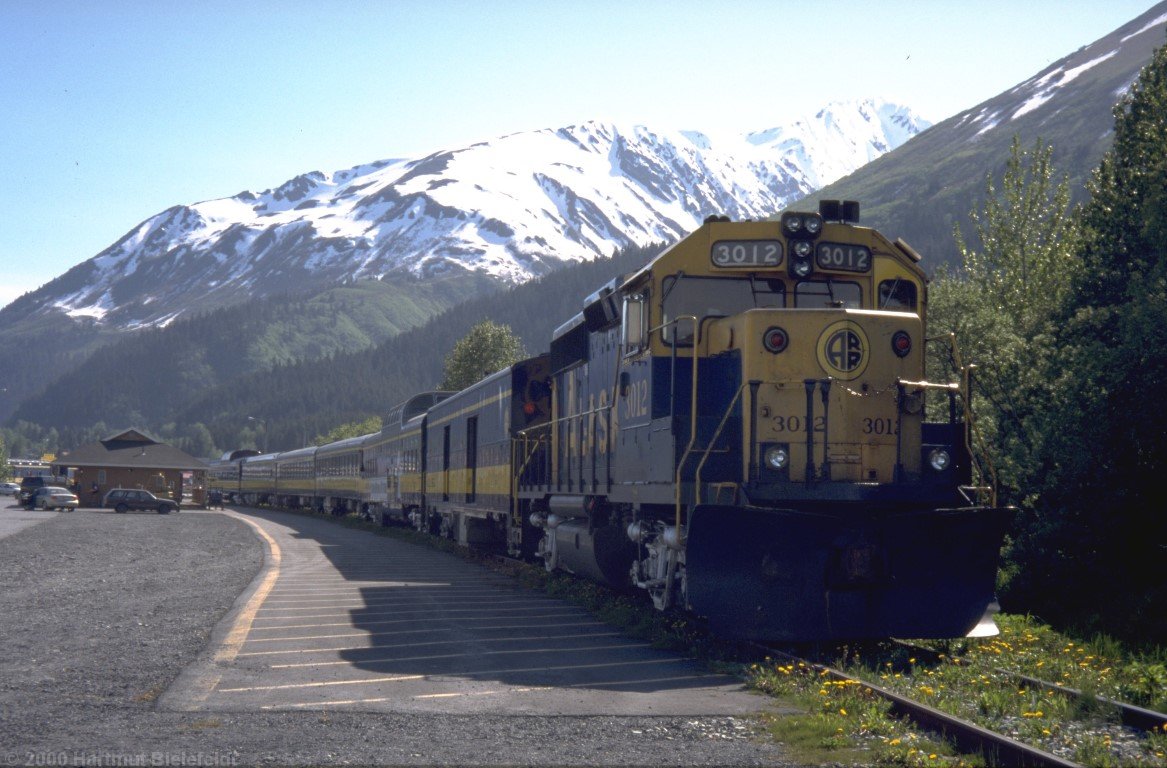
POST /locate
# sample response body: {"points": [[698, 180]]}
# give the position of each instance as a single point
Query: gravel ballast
{"points": [[101, 613]]}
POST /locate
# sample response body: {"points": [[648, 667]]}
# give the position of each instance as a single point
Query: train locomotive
{"points": [[742, 428]]}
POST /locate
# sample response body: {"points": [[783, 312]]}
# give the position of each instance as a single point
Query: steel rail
{"points": [[1130, 715], [997, 749]]}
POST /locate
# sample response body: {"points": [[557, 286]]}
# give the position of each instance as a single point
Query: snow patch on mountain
{"points": [[513, 208]]}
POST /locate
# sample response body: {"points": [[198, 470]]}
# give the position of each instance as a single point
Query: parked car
{"points": [[30, 485], [125, 499], [55, 497], [9, 489]]}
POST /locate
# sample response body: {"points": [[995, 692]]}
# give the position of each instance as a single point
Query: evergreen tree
{"points": [[487, 348], [1095, 554]]}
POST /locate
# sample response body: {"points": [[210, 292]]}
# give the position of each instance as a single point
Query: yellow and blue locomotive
{"points": [[739, 428]]}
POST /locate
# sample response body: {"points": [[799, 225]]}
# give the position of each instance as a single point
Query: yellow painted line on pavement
{"points": [[238, 634], [203, 681]]}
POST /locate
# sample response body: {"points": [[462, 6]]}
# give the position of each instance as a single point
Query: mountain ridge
{"points": [[512, 208]]}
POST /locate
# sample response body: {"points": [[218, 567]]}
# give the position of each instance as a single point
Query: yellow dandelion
{"points": [[842, 712], [894, 742]]}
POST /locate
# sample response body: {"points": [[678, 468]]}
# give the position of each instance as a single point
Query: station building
{"points": [[129, 459]]}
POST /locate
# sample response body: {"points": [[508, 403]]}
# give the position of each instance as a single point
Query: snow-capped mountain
{"points": [[512, 208]]}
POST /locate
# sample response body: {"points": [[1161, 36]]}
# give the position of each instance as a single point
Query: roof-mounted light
{"points": [[802, 225]]}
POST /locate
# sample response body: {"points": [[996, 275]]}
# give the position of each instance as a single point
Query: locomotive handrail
{"points": [[520, 469], [692, 420], [971, 429], [713, 440]]}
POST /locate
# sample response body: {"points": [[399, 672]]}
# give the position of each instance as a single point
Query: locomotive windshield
{"points": [[816, 294], [713, 297]]}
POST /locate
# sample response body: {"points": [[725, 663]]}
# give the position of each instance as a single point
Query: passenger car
{"points": [[30, 485], [9, 489], [125, 499], [54, 497]]}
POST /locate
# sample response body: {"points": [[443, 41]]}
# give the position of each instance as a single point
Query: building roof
{"points": [[132, 449]]}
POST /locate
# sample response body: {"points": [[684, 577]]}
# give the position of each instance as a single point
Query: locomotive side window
{"points": [[703, 297], [816, 294], [897, 294], [634, 333]]}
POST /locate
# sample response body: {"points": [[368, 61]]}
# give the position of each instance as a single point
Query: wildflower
{"points": [[842, 712], [894, 742]]}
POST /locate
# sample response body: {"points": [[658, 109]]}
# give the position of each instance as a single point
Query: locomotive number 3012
{"points": [[747, 253]]}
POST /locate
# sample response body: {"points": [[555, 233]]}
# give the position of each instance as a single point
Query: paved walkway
{"points": [[341, 618]]}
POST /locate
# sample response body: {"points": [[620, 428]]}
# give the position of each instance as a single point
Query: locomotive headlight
{"points": [[777, 457], [801, 267], [792, 224], [813, 225], [939, 459], [803, 248]]}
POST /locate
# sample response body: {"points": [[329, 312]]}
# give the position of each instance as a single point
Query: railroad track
{"points": [[1129, 715], [996, 748]]}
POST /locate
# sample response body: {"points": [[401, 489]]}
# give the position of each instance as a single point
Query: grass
{"points": [[968, 678]]}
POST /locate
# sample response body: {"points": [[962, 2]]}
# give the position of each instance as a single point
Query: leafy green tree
{"points": [[198, 441], [487, 348], [5, 469], [351, 429], [1000, 303], [1095, 553]]}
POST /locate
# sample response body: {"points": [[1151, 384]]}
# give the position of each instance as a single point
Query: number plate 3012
{"points": [[840, 256], [747, 253]]}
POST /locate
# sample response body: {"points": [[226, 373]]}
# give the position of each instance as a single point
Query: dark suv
{"points": [[30, 485], [125, 499]]}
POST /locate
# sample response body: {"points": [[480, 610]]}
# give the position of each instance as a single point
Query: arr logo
{"points": [[843, 350]]}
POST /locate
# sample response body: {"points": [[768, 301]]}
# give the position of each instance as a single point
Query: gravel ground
{"points": [[101, 612]]}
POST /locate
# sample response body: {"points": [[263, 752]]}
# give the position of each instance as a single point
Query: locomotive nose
{"points": [[823, 576]]}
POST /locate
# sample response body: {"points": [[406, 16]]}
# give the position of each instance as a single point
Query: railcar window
{"points": [[897, 294], [816, 294], [713, 297]]}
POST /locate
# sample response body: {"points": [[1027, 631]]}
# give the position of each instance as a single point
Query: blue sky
{"points": [[114, 110]]}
